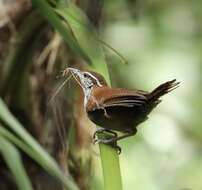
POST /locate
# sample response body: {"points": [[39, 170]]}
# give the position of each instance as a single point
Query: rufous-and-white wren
{"points": [[116, 109]]}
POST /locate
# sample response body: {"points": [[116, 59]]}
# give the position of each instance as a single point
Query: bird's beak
{"points": [[73, 71], [76, 73]]}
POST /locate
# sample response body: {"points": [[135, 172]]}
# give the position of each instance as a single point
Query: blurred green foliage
{"points": [[161, 40]]}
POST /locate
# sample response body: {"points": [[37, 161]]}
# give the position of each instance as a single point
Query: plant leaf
{"points": [[86, 36], [12, 158], [47, 11], [25, 141]]}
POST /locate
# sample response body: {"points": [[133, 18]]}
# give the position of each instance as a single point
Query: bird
{"points": [[116, 109]]}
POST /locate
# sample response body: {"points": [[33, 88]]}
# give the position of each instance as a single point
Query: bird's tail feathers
{"points": [[163, 89]]}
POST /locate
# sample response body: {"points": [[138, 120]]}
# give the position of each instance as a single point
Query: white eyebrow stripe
{"points": [[98, 82]]}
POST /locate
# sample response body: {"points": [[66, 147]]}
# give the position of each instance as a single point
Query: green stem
{"points": [[111, 168], [109, 155]]}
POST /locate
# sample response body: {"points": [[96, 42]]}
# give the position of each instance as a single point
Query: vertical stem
{"points": [[109, 155], [111, 168]]}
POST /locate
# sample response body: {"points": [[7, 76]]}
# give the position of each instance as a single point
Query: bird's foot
{"points": [[101, 130], [111, 142]]}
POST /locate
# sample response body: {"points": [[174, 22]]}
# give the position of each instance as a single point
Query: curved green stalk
{"points": [[28, 144], [13, 160], [111, 168]]}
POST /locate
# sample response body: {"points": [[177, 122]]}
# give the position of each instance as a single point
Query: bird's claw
{"points": [[111, 142], [118, 148], [102, 130], [98, 130]]}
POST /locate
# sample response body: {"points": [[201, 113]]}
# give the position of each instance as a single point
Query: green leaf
{"points": [[88, 40], [47, 11], [85, 35], [12, 158], [25, 141], [76, 23]]}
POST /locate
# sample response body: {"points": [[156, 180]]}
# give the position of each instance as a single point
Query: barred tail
{"points": [[163, 89]]}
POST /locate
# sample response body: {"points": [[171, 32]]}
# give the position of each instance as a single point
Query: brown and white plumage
{"points": [[135, 103], [118, 109]]}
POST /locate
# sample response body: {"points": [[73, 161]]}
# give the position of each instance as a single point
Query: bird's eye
{"points": [[85, 75]]}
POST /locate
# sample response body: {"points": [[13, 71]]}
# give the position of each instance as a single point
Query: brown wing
{"points": [[107, 97], [125, 100]]}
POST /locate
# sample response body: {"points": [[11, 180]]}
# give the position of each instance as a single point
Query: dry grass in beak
{"points": [[74, 75], [60, 87], [64, 74]]}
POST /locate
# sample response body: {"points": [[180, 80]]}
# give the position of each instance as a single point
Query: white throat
{"points": [[87, 94]]}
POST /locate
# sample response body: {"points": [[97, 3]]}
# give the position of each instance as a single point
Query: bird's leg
{"points": [[117, 147], [116, 138], [101, 130], [113, 143]]}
